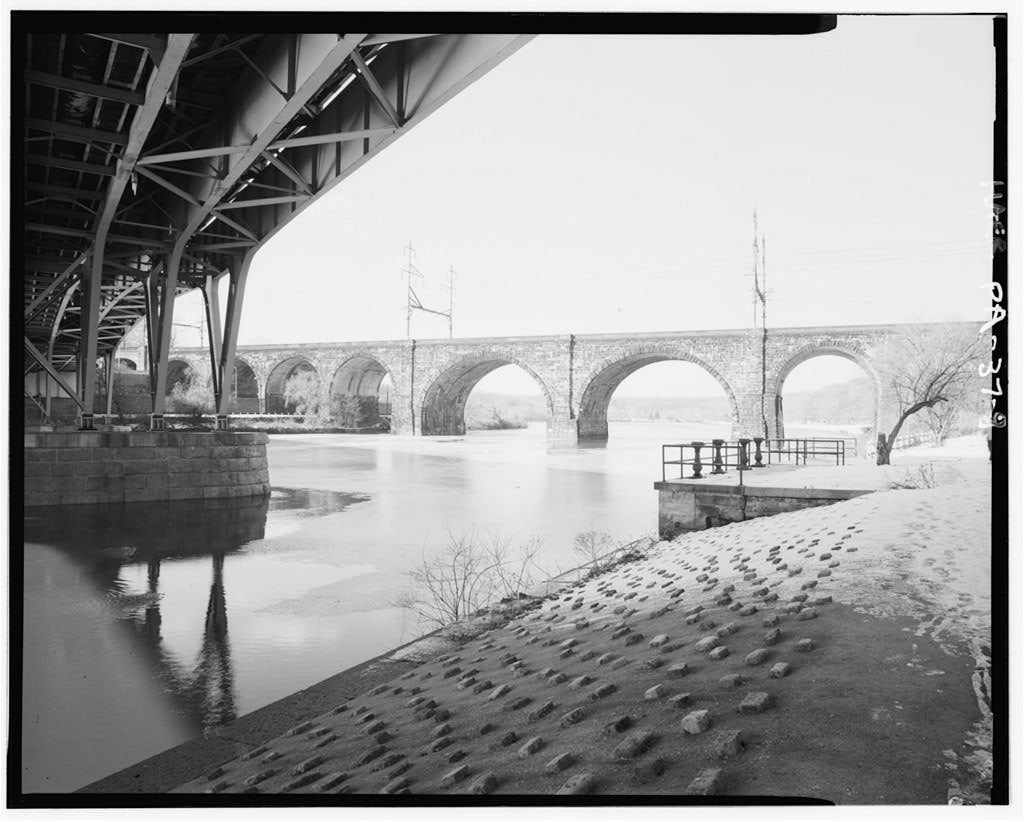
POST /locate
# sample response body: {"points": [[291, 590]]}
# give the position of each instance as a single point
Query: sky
{"points": [[607, 184]]}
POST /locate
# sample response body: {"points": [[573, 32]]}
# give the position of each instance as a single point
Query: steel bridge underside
{"points": [[154, 164]]}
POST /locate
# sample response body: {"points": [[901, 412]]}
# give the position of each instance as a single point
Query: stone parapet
{"points": [[115, 467]]}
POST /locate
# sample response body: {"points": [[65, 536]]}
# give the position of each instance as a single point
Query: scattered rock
{"points": [[728, 744], [696, 722], [571, 718], [634, 745], [617, 725], [754, 703], [559, 763], [485, 783], [657, 692], [706, 783], [679, 700], [579, 784]]}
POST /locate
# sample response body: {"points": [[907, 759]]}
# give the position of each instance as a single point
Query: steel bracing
{"points": [[158, 163]]}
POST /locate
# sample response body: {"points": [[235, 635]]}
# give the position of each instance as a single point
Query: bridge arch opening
{"points": [[277, 381], [177, 372], [444, 410], [245, 389], [825, 392], [126, 364], [361, 391], [659, 387]]}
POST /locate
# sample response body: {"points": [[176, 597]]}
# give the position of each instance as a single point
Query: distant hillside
{"points": [[843, 403]]}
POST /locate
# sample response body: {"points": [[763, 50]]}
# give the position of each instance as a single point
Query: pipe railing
{"points": [[798, 450], [745, 454]]}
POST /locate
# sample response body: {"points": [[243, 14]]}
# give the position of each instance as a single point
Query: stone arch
{"points": [[359, 375], [355, 390], [176, 372], [278, 376], [443, 408], [245, 388], [809, 352], [603, 379], [126, 363]]}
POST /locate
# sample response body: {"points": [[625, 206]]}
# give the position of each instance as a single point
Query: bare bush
{"points": [[600, 552], [468, 576], [192, 395], [923, 477], [592, 546]]}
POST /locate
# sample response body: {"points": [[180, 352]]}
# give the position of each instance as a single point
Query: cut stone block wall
{"points": [[693, 506], [102, 467]]}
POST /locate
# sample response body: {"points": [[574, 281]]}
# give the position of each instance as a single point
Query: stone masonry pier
{"points": [[104, 467]]}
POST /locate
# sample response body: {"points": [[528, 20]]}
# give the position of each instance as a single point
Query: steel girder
{"points": [[153, 161]]}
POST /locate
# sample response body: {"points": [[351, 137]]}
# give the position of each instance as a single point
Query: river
{"points": [[146, 624]]}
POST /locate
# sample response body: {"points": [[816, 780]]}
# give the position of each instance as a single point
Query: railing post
{"points": [[716, 458], [696, 459], [757, 452], [805, 452], [744, 460]]}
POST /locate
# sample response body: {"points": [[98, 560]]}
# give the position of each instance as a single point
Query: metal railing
{"points": [[798, 450], [745, 454], [910, 440], [718, 456]]}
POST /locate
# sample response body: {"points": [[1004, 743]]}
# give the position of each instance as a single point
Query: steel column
{"points": [[164, 328], [177, 46], [236, 295], [109, 364]]}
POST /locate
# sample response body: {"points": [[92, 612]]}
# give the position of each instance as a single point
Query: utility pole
{"points": [[412, 300], [761, 296], [450, 288]]}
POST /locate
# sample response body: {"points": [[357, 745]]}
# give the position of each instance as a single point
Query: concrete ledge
{"points": [[116, 467], [762, 491], [693, 506]]}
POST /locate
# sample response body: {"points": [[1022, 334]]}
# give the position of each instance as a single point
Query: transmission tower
{"points": [[412, 300]]}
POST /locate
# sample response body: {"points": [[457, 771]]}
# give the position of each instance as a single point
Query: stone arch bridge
{"points": [[576, 373]]}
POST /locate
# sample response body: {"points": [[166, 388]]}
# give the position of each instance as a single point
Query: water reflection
{"points": [[106, 562]]}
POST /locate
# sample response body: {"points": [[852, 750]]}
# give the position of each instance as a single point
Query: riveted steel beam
{"points": [[145, 118], [119, 95]]}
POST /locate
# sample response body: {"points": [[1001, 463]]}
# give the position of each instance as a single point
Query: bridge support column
{"points": [[562, 432], [401, 415], [750, 423]]}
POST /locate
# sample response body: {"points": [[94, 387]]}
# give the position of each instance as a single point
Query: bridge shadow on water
{"points": [[101, 542]]}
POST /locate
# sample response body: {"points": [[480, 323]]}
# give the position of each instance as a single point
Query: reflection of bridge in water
{"points": [[103, 541]]}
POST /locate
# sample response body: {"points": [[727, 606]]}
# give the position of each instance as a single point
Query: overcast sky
{"points": [[602, 183]]}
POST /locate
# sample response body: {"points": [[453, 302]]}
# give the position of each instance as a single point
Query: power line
{"points": [[412, 300]]}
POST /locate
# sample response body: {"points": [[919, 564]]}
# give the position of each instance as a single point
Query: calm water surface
{"points": [[146, 624]]}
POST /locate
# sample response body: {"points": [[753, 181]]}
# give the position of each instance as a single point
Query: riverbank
{"points": [[838, 654]]}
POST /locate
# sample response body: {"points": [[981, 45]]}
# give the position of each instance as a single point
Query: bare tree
{"points": [[468, 575], [919, 372]]}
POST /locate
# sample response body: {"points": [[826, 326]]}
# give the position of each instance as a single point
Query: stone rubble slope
{"points": [[664, 675]]}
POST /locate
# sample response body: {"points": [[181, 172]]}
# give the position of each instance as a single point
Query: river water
{"points": [[146, 624]]}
